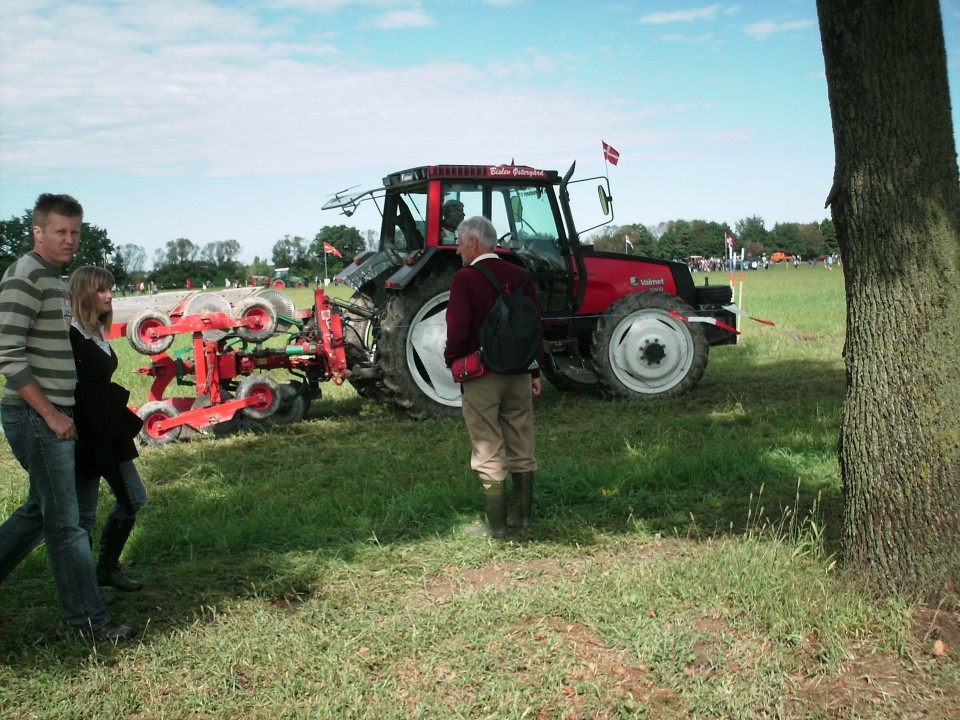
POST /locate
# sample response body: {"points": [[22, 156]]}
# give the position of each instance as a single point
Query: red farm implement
{"points": [[229, 361]]}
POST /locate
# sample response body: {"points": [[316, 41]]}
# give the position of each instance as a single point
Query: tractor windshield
{"points": [[526, 222]]}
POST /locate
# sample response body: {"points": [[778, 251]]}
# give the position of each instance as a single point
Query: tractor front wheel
{"points": [[413, 333], [640, 350]]}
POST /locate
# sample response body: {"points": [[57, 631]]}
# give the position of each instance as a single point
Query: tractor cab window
{"points": [[459, 201], [407, 226]]}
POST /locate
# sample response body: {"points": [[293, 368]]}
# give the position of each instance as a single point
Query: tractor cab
{"points": [[521, 202]]}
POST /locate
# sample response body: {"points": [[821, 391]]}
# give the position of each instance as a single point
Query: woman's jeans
{"points": [[88, 494], [51, 514]]}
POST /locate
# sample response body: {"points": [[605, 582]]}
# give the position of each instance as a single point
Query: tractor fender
{"points": [[415, 264]]}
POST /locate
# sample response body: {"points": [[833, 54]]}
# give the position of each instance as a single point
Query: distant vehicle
{"points": [[258, 281], [282, 278]]}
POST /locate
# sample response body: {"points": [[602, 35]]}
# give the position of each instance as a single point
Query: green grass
{"points": [[681, 565]]}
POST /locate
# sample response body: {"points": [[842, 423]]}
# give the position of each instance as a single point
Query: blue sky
{"points": [[220, 120]]}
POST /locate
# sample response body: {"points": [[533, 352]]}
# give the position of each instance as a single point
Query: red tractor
{"points": [[632, 326]]}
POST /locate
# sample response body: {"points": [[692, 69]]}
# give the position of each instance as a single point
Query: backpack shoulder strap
{"points": [[490, 276]]}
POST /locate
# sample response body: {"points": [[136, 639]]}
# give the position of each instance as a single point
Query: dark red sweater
{"points": [[471, 298]]}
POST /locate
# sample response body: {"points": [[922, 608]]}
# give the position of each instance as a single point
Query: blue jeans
{"points": [[51, 514], [88, 493]]}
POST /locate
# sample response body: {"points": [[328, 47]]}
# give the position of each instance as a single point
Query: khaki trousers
{"points": [[498, 411]]}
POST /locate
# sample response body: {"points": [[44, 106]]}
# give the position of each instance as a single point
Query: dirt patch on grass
{"points": [[625, 685], [920, 683], [511, 575]]}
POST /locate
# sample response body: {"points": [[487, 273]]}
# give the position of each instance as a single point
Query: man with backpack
{"points": [[497, 403]]}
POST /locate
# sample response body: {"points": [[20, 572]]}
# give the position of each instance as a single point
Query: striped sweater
{"points": [[34, 331]]}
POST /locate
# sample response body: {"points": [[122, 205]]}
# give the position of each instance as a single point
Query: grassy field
{"points": [[681, 565]]}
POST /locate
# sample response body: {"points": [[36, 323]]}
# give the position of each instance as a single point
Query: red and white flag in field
{"points": [[609, 154], [730, 240], [328, 248]]}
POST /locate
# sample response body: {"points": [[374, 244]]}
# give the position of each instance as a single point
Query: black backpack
{"points": [[511, 338]]}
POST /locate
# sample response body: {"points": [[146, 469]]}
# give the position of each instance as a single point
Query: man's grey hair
{"points": [[480, 228]]}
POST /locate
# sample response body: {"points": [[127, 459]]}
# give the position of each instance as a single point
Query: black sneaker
{"points": [[112, 631]]}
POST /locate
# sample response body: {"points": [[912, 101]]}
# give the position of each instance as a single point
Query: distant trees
{"points": [[681, 239], [346, 239], [294, 253], [134, 258], [182, 259]]}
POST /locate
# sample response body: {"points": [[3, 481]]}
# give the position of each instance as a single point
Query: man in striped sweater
{"points": [[36, 411]]}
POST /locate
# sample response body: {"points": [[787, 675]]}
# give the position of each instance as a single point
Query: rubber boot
{"points": [[114, 537], [495, 510], [522, 501]]}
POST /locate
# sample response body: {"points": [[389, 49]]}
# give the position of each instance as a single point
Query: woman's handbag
{"points": [[468, 367]]}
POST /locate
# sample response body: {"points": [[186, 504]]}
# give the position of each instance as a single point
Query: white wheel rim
{"points": [[635, 344], [425, 343]]}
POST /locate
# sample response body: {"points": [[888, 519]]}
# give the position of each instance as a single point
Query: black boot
{"points": [[522, 501], [495, 509], [114, 537]]}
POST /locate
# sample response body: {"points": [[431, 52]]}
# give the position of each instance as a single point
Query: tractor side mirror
{"points": [[604, 200]]}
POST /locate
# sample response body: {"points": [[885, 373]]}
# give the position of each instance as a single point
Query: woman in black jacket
{"points": [[105, 425]]}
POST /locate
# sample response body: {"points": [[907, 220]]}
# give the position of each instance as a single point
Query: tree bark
{"points": [[896, 207]]}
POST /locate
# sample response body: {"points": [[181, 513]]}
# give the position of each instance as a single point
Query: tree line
{"points": [[682, 239], [182, 259], [217, 261]]}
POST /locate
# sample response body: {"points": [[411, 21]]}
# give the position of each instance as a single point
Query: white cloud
{"points": [[413, 17], [671, 16], [766, 28]]}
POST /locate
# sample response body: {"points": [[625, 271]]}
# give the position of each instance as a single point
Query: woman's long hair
{"points": [[85, 283]]}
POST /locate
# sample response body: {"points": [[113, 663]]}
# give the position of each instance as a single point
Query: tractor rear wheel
{"points": [[640, 350], [413, 333]]}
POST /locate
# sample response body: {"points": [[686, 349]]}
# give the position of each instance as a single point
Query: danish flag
{"points": [[609, 154]]}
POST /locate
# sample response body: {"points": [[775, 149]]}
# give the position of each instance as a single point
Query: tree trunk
{"points": [[896, 206]]}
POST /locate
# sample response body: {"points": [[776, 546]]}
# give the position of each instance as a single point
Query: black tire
{"points": [[138, 332], [413, 332], [286, 312], [640, 351], [152, 414], [293, 405], [267, 392], [360, 348], [714, 295], [221, 428], [261, 310]]}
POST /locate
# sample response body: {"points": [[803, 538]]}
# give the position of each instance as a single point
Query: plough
{"points": [[229, 359]]}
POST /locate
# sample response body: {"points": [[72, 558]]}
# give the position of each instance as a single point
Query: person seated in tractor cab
{"points": [[451, 215]]}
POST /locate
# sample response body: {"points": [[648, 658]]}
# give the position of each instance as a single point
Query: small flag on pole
{"points": [[730, 240], [328, 248], [609, 154]]}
